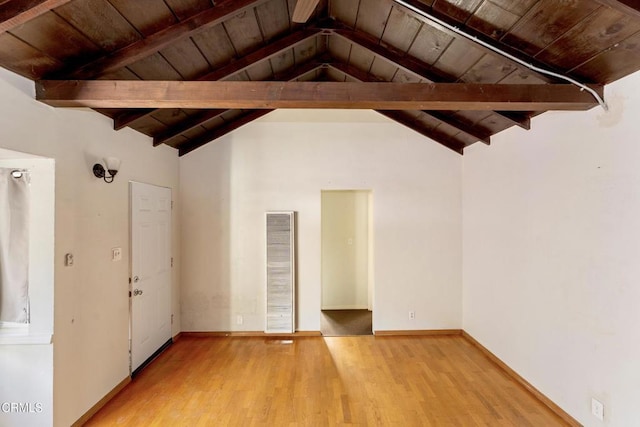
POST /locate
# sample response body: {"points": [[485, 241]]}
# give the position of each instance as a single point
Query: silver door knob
{"points": [[136, 279], [137, 292]]}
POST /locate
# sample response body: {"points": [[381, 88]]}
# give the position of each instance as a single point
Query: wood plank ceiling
{"points": [[378, 50]]}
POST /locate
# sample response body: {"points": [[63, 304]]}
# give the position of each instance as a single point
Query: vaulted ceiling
{"points": [[187, 72]]}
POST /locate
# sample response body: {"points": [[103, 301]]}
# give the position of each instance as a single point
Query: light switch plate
{"points": [[116, 254], [597, 409]]}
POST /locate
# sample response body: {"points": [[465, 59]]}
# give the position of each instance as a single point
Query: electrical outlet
{"points": [[116, 254], [68, 260], [412, 315], [239, 320], [597, 409]]}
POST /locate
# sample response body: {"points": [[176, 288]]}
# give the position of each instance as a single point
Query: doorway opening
{"points": [[347, 267]]}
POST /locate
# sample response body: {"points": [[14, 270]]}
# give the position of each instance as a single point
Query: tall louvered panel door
{"points": [[280, 272]]}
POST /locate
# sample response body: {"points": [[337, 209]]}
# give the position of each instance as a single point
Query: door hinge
{"points": [[129, 280], [171, 261], [129, 294]]}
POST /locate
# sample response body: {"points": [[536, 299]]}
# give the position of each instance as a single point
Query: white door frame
{"points": [[370, 242]]}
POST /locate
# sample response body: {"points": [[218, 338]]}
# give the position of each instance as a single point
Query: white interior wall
{"points": [[91, 217], [551, 243], [345, 247], [282, 162]]}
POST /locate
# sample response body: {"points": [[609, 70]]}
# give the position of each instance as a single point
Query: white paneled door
{"points": [[150, 270]]}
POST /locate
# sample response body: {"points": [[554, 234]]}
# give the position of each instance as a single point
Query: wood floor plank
{"points": [[366, 380]]}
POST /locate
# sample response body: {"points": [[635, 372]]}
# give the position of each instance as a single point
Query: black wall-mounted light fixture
{"points": [[113, 165]]}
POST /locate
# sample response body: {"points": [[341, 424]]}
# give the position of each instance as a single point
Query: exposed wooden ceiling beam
{"points": [[481, 136], [128, 118], [303, 10], [221, 131], [149, 45], [396, 57], [190, 123], [271, 95], [451, 121], [16, 13], [415, 66], [521, 119], [400, 117], [629, 7], [272, 49], [206, 115]]}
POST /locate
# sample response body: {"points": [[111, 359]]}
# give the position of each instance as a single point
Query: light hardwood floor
{"points": [[399, 381]]}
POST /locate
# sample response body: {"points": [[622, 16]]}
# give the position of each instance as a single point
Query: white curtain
{"points": [[14, 246]]}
